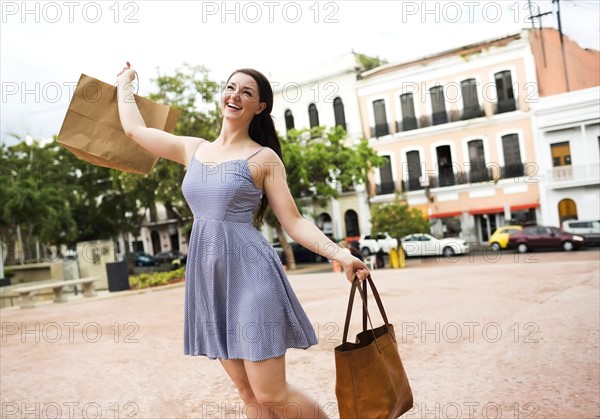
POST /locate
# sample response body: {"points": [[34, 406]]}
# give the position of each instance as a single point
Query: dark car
{"points": [[540, 237], [170, 256], [143, 259], [301, 254]]}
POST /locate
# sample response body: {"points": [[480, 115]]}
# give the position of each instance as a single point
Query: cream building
{"points": [[457, 129]]}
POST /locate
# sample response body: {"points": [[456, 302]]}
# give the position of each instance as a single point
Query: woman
{"points": [[239, 306]]}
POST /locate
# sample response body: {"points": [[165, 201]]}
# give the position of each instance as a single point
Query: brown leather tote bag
{"points": [[370, 379]]}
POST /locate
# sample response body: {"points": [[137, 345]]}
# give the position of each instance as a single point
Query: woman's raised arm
{"points": [[158, 142]]}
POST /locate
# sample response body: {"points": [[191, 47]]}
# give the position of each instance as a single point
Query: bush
{"points": [[156, 279]]}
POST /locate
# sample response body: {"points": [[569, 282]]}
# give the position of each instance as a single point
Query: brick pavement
{"points": [[511, 338]]}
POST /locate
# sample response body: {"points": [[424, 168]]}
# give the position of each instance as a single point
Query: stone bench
{"points": [[28, 292]]}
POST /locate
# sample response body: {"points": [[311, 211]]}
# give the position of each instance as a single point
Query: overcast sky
{"points": [[46, 45]]}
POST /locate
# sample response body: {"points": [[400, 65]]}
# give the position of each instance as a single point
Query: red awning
{"points": [[446, 214], [497, 210]]}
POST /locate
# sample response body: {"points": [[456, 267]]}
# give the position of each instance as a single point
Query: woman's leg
{"points": [[237, 372], [271, 390]]}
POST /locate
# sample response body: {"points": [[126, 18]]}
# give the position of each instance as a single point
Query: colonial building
{"points": [[325, 95], [456, 128], [567, 148]]}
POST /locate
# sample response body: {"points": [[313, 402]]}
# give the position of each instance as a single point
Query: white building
{"points": [[324, 94], [567, 129]]}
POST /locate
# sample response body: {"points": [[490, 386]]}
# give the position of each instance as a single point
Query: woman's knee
{"points": [[246, 393], [272, 397]]}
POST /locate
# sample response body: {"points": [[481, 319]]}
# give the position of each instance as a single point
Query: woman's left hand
{"points": [[353, 266]]}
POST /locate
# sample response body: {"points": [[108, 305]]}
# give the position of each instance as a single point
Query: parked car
{"points": [[301, 254], [372, 243], [143, 259], [170, 256], [499, 240], [421, 244], [541, 237], [589, 230]]}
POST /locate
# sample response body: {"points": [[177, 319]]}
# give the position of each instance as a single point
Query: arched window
{"points": [[313, 115], [478, 171], [505, 92], [471, 108], [438, 105], [567, 210], [338, 112], [513, 167], [289, 120], [351, 221]]}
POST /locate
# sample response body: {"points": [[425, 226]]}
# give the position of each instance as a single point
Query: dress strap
{"points": [[195, 151], [255, 153]]}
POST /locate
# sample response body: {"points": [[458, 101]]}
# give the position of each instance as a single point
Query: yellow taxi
{"points": [[499, 240]]}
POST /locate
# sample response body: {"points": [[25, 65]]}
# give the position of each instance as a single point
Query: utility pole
{"points": [[562, 44]]}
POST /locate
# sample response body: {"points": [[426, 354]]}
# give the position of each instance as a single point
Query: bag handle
{"points": [[366, 315]]}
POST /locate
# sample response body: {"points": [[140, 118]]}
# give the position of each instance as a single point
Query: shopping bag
{"points": [[370, 378], [92, 129]]}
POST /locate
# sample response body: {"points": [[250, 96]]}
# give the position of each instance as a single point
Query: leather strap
{"points": [[363, 295]]}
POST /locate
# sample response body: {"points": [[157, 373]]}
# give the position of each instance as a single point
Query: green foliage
{"points": [[319, 160], [369, 63], [191, 91], [156, 279], [398, 219]]}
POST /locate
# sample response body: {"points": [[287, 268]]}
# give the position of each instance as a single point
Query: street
{"points": [[516, 336]]}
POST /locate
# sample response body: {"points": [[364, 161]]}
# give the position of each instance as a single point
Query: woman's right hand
{"points": [[126, 75]]}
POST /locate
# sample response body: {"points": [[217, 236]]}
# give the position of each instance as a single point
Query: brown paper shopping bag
{"points": [[92, 129]]}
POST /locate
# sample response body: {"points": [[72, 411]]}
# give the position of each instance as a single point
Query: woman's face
{"points": [[240, 100]]}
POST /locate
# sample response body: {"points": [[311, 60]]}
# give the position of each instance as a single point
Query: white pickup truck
{"points": [[372, 243]]}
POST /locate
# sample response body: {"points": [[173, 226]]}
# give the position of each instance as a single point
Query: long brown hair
{"points": [[262, 129]]}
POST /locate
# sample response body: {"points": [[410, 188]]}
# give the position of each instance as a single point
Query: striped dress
{"points": [[238, 301]]}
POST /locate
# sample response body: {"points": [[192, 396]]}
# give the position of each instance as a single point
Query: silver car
{"points": [[422, 244]]}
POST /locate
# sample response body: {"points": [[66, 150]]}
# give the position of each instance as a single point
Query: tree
{"points": [[319, 162], [191, 91], [398, 219], [34, 195]]}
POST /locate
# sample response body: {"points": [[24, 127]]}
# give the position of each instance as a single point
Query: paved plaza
{"points": [[505, 336]]}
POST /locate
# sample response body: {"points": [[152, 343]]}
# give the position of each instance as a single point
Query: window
{"points": [[313, 115], [567, 210], [381, 125], [478, 172], [338, 113], [445, 172], [438, 106], [289, 120], [513, 167], [471, 107], [561, 154], [386, 184], [413, 166], [407, 105], [351, 221], [504, 90]]}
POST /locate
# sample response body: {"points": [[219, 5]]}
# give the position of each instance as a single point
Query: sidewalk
{"points": [[498, 340]]}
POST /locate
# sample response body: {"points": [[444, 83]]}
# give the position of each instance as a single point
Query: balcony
{"points": [[438, 118], [512, 170], [407, 124], [472, 113], [569, 176], [380, 130], [385, 188], [412, 184], [505, 105], [480, 174]]}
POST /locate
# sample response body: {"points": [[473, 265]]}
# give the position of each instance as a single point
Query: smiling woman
{"points": [[239, 305]]}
